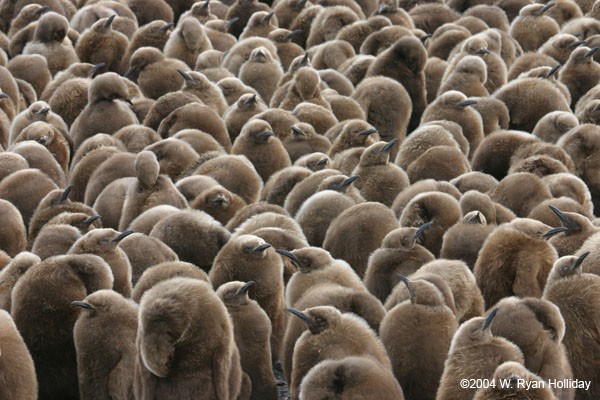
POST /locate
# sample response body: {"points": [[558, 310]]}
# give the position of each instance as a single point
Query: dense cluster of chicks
{"points": [[370, 199]]}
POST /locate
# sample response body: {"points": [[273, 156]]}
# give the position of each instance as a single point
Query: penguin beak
{"points": [[301, 3], [293, 33], [554, 231], [467, 103], [231, 22], [580, 260], [245, 288], [411, 292], [304, 59], [261, 248], [547, 7], [167, 26], [1, 281], [475, 218], [267, 134], [88, 221], [567, 222], [251, 99], [349, 181], [382, 8], [483, 51], [489, 319], [553, 70], [96, 67], [3, 96], [324, 160], [205, 5], [592, 51], [389, 145], [131, 71], [296, 131], [300, 314], [65, 193], [289, 255], [122, 236], [577, 43], [43, 140], [267, 17], [422, 229], [424, 38], [82, 304], [368, 132], [128, 101], [109, 20], [220, 199], [41, 10], [185, 75], [44, 110]]}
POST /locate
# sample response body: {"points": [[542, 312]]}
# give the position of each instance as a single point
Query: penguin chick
{"points": [[515, 378], [354, 133], [102, 43], [327, 24], [561, 46], [494, 114], [236, 116], [175, 317], [304, 140], [468, 77], [474, 353], [198, 84], [465, 238], [316, 267], [104, 93], [530, 188], [261, 72], [430, 342], [11, 273], [526, 272], [187, 41], [266, 153], [579, 228], [18, 372], [51, 138], [580, 73], [357, 232], [219, 202], [326, 324], [287, 51], [304, 88], [261, 23], [243, 10], [352, 378], [248, 257], [104, 243], [13, 235], [532, 28], [252, 330], [105, 361], [38, 111], [400, 253]]}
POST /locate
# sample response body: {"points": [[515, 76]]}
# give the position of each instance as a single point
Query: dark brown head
{"points": [[422, 292], [248, 102], [308, 259], [582, 55], [404, 238], [104, 25], [410, 52], [474, 217], [251, 247], [377, 153], [147, 169], [566, 266], [99, 241], [143, 57], [474, 331], [104, 302], [51, 27], [257, 131], [307, 83], [235, 293], [107, 87], [318, 319]]}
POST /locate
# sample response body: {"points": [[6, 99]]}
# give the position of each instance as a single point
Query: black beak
{"points": [[424, 38], [44, 110], [547, 7], [323, 161], [167, 26], [128, 101], [296, 131], [122, 236], [577, 43], [109, 20], [82, 304], [422, 229], [489, 319], [205, 5], [1, 281], [267, 134], [389, 145], [252, 99], [131, 71], [43, 139], [567, 222], [475, 218], [304, 59], [555, 231], [349, 181], [184, 74], [293, 33], [467, 103], [553, 70], [65, 193], [88, 221], [382, 9], [580, 260], [3, 96], [41, 10], [231, 22], [261, 248], [289, 255], [98, 66], [483, 51], [368, 132], [300, 314], [411, 292], [267, 17], [245, 288], [592, 51]]}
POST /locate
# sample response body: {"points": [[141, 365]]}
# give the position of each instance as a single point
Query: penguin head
{"points": [[51, 27], [56, 197], [315, 161], [257, 131], [405, 238], [476, 46], [235, 293], [147, 169], [535, 10], [574, 222], [420, 292], [158, 30], [102, 302], [32, 12], [283, 35], [318, 319], [191, 32], [566, 266], [248, 102], [299, 62], [474, 331], [252, 247], [377, 154], [473, 66], [143, 57], [260, 55], [511, 374], [194, 80], [262, 20], [108, 86], [38, 111], [306, 82], [308, 259], [103, 26], [474, 217], [410, 52], [455, 100], [99, 241], [359, 133], [339, 183], [532, 228], [41, 132], [302, 132], [581, 56], [201, 9], [216, 198]]}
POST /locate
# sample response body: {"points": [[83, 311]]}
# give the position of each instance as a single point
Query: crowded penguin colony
{"points": [[299, 199]]}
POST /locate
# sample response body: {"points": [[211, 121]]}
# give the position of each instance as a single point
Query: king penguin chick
{"points": [[103, 105], [474, 354], [252, 330], [49, 41], [38, 111], [243, 10], [468, 77], [304, 140], [532, 28], [187, 41], [380, 180], [400, 253], [465, 238], [261, 23], [261, 72], [579, 229], [244, 108], [266, 153], [185, 343], [248, 257], [427, 326], [105, 361], [102, 43], [512, 380], [11, 273], [580, 73], [525, 272], [574, 292]]}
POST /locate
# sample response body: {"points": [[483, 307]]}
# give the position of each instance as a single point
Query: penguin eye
{"points": [[248, 250], [319, 319], [306, 261], [552, 333]]}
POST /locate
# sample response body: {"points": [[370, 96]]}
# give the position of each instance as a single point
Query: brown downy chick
{"points": [[532, 28], [474, 354], [103, 105], [418, 362], [317, 267], [243, 10], [286, 11], [236, 116], [105, 361], [520, 192], [252, 330], [304, 88], [304, 140], [149, 190], [286, 49], [261, 72], [561, 46], [261, 23], [219, 202], [52, 138], [187, 41], [465, 238], [219, 36], [27, 15], [327, 24], [38, 111], [201, 11], [580, 73], [400, 253], [152, 34], [104, 243], [380, 180], [396, 14], [281, 183], [524, 273], [198, 84], [49, 41], [355, 133], [266, 153], [579, 229], [574, 292], [468, 77], [11, 273], [101, 43], [512, 379], [326, 326]]}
